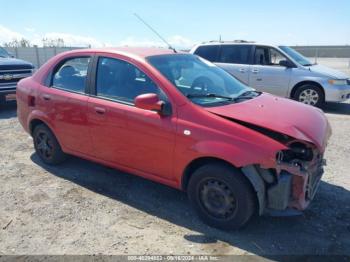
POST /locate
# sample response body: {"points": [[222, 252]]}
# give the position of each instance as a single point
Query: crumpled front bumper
{"points": [[287, 193]]}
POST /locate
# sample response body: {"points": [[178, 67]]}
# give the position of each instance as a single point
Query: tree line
{"points": [[47, 42]]}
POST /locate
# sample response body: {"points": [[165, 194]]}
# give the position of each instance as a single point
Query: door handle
{"points": [[100, 110], [255, 71], [47, 97], [242, 70]]}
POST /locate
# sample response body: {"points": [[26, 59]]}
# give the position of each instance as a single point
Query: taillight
{"points": [[31, 100]]}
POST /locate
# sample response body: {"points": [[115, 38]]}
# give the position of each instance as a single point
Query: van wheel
{"points": [[310, 95], [47, 146], [221, 196]]}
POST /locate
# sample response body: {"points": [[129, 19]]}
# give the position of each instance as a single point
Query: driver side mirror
{"points": [[152, 102], [286, 63]]}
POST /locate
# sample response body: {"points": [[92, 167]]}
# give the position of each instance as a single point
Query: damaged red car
{"points": [[179, 120]]}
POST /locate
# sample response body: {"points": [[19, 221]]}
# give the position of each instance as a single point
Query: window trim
{"points": [[49, 79], [93, 81]]}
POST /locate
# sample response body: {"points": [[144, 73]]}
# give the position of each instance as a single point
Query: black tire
{"points": [[47, 146], [221, 196], [307, 93]]}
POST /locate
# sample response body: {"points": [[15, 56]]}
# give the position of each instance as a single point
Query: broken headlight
{"points": [[296, 151]]}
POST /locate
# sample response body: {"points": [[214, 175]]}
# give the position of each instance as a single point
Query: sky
{"points": [[182, 22]]}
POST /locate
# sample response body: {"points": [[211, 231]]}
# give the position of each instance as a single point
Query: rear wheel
{"points": [[310, 95], [47, 146], [221, 196]]}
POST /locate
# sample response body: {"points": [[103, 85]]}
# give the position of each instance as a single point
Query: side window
{"points": [[261, 56], [268, 56], [119, 80], [235, 54], [209, 52], [276, 57], [72, 75]]}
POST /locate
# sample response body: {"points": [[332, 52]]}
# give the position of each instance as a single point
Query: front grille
{"points": [[12, 81], [11, 77]]}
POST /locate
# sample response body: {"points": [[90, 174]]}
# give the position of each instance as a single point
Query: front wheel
{"points": [[221, 196], [310, 95]]}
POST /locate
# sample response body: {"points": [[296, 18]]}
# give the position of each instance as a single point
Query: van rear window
{"points": [[210, 52], [235, 54]]}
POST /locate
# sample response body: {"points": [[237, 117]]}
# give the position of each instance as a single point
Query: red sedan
{"points": [[177, 119]]}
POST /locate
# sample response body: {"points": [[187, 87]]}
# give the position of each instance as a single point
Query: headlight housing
{"points": [[296, 151], [338, 82]]}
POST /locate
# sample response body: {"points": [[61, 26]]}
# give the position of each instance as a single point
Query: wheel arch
{"points": [[197, 163], [306, 82], [34, 123]]}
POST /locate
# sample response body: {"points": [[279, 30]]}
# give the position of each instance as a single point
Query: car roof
{"points": [[235, 43], [141, 52]]}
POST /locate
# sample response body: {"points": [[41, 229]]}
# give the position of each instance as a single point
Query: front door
{"points": [[123, 134], [267, 74]]}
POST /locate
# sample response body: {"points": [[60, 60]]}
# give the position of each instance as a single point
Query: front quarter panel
{"points": [[203, 134]]}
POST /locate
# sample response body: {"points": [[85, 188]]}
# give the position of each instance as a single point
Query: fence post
{"points": [[16, 51], [316, 55], [37, 56]]}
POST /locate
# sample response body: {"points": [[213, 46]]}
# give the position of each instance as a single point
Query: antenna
{"points": [[154, 31]]}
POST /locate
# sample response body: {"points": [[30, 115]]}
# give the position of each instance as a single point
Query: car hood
{"points": [[14, 62], [280, 115], [323, 70]]}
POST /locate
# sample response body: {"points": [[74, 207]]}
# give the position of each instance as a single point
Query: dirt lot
{"points": [[85, 208]]}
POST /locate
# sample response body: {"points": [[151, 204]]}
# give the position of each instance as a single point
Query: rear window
{"points": [[208, 52], [235, 54], [72, 74]]}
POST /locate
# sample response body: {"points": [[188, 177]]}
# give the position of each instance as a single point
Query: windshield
{"points": [[3, 52], [296, 56], [199, 80]]}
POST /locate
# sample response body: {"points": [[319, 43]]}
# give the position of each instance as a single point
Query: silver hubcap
{"points": [[309, 97]]}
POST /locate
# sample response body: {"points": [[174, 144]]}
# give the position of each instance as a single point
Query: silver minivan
{"points": [[279, 70]]}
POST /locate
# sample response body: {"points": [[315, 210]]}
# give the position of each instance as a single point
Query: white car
{"points": [[279, 70]]}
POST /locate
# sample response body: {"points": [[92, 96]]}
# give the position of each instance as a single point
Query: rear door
{"points": [[266, 74], [64, 101], [235, 60], [123, 134]]}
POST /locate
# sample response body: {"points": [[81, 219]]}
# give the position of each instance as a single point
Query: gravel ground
{"points": [[85, 208]]}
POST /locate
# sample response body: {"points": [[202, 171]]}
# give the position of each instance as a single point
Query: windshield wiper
{"points": [[208, 95], [248, 95]]}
